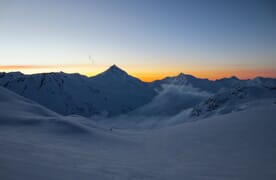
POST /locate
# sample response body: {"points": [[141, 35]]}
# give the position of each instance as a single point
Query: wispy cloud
{"points": [[19, 67], [22, 67]]}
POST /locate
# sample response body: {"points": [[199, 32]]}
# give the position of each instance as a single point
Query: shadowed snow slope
{"points": [[240, 146], [16, 111]]}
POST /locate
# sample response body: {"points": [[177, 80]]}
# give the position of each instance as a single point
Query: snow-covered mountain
{"points": [[17, 111], [234, 99], [115, 92], [186, 98], [201, 84], [269, 83], [123, 93], [37, 143], [111, 92], [7, 77]]}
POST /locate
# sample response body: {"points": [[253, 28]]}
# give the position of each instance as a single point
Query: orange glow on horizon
{"points": [[145, 74]]}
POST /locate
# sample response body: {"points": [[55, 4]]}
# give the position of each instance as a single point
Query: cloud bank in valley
{"points": [[172, 103]]}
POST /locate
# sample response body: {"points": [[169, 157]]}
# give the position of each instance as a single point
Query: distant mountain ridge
{"points": [[202, 84], [113, 91]]}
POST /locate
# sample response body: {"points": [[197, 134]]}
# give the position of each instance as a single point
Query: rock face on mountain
{"points": [[111, 92]]}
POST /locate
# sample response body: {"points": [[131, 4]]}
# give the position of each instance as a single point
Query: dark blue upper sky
{"points": [[187, 33]]}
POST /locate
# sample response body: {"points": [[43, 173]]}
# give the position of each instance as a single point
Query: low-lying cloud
{"points": [[173, 102]]}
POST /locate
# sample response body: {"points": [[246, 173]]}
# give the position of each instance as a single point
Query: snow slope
{"points": [[17, 111], [112, 92], [233, 99], [239, 145]]}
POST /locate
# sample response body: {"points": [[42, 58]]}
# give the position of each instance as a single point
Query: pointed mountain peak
{"points": [[113, 72], [115, 68]]}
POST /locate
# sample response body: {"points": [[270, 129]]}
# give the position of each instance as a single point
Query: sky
{"points": [[150, 39]]}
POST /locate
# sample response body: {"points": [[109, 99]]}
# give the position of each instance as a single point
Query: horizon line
{"points": [[144, 76]]}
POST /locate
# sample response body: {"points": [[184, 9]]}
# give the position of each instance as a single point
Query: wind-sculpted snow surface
{"points": [[240, 145]]}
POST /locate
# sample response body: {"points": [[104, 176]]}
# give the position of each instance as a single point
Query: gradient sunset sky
{"points": [[150, 39]]}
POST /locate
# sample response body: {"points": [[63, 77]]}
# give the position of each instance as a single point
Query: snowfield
{"points": [[36, 143]]}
